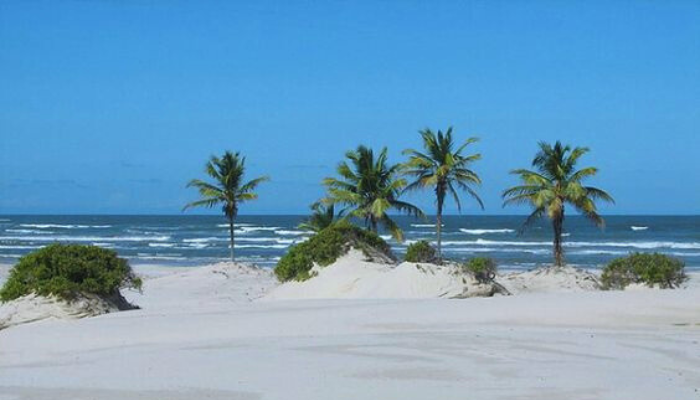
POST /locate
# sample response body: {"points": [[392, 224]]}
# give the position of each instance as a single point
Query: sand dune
{"points": [[353, 277], [203, 334]]}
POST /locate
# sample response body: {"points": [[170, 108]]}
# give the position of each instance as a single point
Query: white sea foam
{"points": [[495, 250], [267, 240], [143, 256], [161, 245], [31, 231], [679, 254], [47, 226], [634, 245], [235, 225], [86, 238], [548, 251], [105, 245], [3, 247], [261, 246], [638, 245], [486, 231], [597, 252], [290, 232], [206, 240], [247, 242], [259, 228], [639, 228], [425, 225]]}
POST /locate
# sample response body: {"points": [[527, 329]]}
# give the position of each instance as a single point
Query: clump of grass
{"points": [[484, 269], [649, 269], [421, 252], [67, 271], [325, 247]]}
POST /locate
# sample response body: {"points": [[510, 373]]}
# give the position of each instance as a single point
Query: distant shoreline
{"points": [[191, 240]]}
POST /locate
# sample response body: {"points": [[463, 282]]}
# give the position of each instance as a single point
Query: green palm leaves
{"points": [[321, 218], [228, 190], [369, 187], [443, 168], [553, 184]]}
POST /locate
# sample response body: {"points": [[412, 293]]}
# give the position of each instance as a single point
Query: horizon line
{"points": [[307, 214]]}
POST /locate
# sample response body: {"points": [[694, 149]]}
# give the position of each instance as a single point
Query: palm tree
{"points": [[321, 218], [369, 188], [555, 183], [228, 189], [441, 167]]}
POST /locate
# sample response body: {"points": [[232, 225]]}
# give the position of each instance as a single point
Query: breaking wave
{"points": [[486, 231], [48, 226]]}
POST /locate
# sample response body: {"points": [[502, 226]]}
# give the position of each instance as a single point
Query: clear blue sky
{"points": [[112, 106]]}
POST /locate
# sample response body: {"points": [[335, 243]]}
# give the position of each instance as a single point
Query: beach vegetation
{"points": [[483, 269], [322, 217], [229, 189], [554, 183], [653, 270], [69, 270], [442, 167], [421, 252], [369, 187], [325, 247]]}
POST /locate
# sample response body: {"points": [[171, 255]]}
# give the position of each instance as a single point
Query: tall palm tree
{"points": [[555, 183], [322, 217], [442, 167], [228, 189], [369, 187]]}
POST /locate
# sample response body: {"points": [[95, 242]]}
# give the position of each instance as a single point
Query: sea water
{"points": [[195, 240]]}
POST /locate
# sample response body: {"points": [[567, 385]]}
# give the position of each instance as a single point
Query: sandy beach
{"points": [[211, 333], [349, 200]]}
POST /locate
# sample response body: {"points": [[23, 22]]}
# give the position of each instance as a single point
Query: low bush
{"points": [[421, 252], [650, 269], [325, 247], [69, 270], [483, 268]]}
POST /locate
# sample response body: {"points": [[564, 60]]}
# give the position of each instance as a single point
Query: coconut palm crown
{"points": [[553, 184], [322, 217], [369, 188], [228, 190], [442, 167]]}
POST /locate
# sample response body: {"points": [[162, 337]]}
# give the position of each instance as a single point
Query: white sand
{"points": [[549, 280], [33, 308], [4, 271], [200, 336], [351, 277]]}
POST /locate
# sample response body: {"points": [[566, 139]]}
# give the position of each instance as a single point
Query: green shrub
{"points": [[650, 269], [327, 246], [68, 270], [483, 268], [421, 252]]}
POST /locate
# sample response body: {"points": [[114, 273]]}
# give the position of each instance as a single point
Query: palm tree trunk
{"points": [[438, 225], [233, 241], [557, 224]]}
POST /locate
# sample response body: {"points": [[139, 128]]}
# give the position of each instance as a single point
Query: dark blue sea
{"points": [[192, 240]]}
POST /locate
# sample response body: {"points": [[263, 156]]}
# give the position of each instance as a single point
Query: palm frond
{"points": [[208, 203], [253, 184], [439, 165]]}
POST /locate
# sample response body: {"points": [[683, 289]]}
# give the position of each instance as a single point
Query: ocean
{"points": [[195, 240]]}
